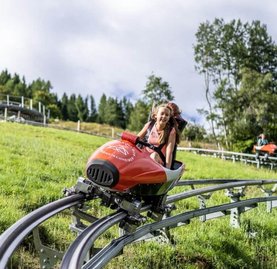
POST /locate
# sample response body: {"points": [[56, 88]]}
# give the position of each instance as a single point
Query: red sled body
{"points": [[125, 166], [268, 149]]}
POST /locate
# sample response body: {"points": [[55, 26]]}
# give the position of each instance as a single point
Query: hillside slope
{"points": [[37, 163]]}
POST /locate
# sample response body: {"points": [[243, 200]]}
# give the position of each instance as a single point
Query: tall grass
{"points": [[36, 163]]}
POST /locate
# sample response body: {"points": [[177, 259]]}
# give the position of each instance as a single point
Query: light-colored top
{"points": [[153, 138]]}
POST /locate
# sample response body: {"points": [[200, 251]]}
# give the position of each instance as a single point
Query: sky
{"points": [[112, 46]]}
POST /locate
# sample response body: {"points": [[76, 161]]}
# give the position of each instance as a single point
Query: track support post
{"points": [[202, 204], [235, 194], [48, 257], [268, 193]]}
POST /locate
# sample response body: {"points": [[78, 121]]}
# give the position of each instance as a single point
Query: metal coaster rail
{"points": [[117, 245], [13, 236], [111, 250], [75, 255], [78, 253]]}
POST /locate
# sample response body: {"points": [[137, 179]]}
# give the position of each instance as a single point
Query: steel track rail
{"points": [[75, 255], [13, 236], [185, 182], [100, 259], [199, 191]]}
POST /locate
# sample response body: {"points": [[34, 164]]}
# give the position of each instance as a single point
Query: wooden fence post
{"points": [[6, 113], [78, 126]]}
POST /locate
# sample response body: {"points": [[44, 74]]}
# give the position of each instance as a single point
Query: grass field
{"points": [[37, 163]]}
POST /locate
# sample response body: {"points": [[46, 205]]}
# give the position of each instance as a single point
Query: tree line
{"points": [[113, 111], [238, 62]]}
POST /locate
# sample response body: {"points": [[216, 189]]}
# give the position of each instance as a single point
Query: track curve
{"points": [[111, 250], [13, 236], [75, 255]]}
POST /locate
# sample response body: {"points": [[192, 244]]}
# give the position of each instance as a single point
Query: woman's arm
{"points": [[169, 148], [143, 131]]}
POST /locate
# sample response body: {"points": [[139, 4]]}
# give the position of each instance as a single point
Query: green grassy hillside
{"points": [[36, 163]]}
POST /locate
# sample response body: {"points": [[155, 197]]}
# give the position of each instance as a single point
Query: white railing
{"points": [[235, 156], [8, 101], [21, 101]]}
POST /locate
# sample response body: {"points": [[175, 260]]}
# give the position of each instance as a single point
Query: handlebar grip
{"points": [[130, 137], [136, 140]]}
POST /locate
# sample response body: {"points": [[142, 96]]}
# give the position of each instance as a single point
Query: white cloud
{"points": [[92, 47]]}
